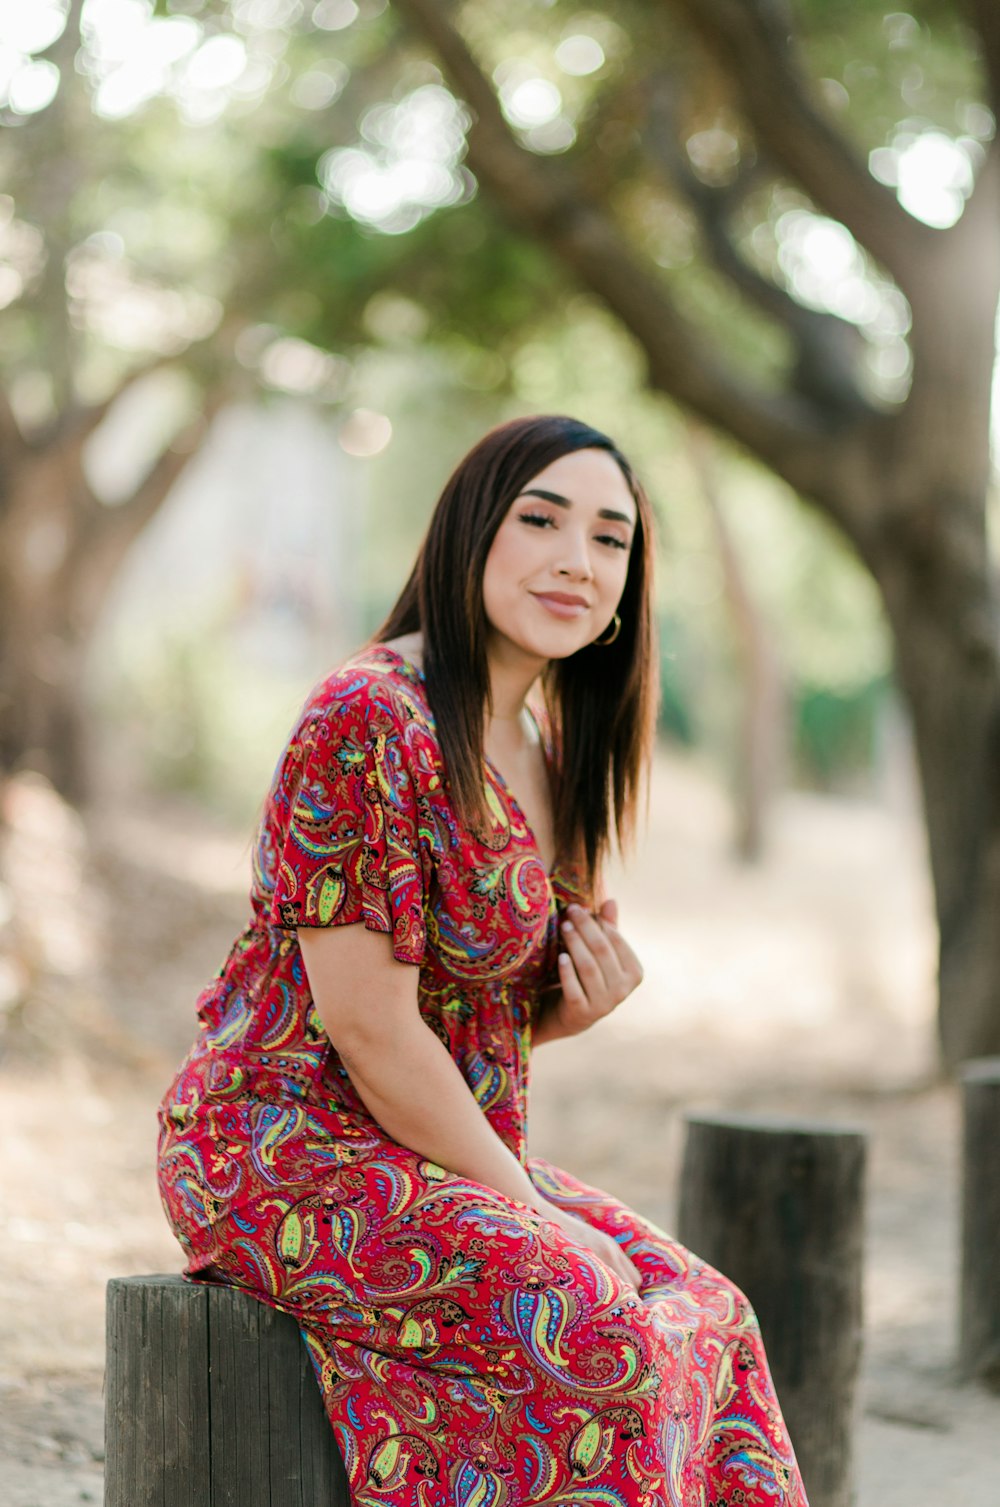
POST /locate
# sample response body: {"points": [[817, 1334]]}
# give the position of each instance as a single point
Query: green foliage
{"points": [[449, 325], [835, 732], [915, 64], [675, 718]]}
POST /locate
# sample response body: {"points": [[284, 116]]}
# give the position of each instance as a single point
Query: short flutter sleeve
{"points": [[347, 844]]}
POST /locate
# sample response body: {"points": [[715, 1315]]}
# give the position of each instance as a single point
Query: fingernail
{"points": [[567, 926]]}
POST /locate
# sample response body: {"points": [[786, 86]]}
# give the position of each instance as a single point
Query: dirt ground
{"points": [[799, 986]]}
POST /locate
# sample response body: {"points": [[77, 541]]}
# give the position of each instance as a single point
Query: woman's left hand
{"points": [[597, 970]]}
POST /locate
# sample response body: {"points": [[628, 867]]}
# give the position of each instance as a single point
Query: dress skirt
{"points": [[470, 1355]]}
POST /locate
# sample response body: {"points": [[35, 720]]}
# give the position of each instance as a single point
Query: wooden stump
{"points": [[777, 1206], [211, 1401], [979, 1317]]}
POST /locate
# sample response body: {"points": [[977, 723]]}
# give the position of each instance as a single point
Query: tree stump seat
{"points": [[211, 1401], [979, 1311], [778, 1205]]}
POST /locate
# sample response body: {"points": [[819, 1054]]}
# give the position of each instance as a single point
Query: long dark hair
{"points": [[601, 700]]}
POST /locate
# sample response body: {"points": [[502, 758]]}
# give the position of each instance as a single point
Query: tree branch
{"points": [[753, 41], [981, 215], [13, 444], [14, 449], [165, 470], [71, 429], [540, 194], [74, 426], [62, 49], [985, 17], [104, 539], [828, 347]]}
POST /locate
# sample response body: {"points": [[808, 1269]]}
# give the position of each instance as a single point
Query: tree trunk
{"points": [[938, 591], [45, 725], [955, 704], [41, 724], [60, 549], [763, 726]]}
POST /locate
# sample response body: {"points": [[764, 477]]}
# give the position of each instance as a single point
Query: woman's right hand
{"points": [[602, 1245], [598, 970]]}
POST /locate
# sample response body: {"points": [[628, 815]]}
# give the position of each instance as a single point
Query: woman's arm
{"points": [[407, 1080], [403, 1073]]}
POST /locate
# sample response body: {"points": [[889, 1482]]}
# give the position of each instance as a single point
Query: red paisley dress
{"points": [[469, 1354]]}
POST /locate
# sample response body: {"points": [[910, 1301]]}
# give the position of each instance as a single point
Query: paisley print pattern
{"points": [[469, 1354]]}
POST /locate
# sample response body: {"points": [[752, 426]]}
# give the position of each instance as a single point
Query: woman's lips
{"points": [[561, 606]]}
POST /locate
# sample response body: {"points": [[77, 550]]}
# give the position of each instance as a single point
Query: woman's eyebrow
{"points": [[564, 502]]}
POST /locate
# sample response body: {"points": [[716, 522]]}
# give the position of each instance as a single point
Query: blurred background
{"points": [[267, 269]]}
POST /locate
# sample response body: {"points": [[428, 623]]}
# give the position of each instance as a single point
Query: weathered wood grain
{"points": [[211, 1401], [156, 1405]]}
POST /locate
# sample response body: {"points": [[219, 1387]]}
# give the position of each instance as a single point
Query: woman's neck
{"points": [[512, 674]]}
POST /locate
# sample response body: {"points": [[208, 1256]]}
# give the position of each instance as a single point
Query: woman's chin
{"points": [[553, 645], [540, 641]]}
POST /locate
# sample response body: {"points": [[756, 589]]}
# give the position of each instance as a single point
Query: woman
{"points": [[346, 1138]]}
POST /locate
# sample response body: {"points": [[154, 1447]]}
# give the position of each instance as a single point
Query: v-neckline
{"points": [[550, 874], [501, 778]]}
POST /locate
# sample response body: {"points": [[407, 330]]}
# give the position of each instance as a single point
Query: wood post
{"points": [[777, 1206], [211, 1401], [979, 1316]]}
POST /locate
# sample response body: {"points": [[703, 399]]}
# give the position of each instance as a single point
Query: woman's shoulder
{"points": [[375, 683]]}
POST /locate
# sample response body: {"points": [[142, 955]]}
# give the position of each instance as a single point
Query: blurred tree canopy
{"points": [[788, 211]]}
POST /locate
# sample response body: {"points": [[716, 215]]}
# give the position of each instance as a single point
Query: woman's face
{"points": [[557, 566]]}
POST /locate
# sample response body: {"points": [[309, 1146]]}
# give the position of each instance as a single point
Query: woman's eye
{"points": [[545, 520]]}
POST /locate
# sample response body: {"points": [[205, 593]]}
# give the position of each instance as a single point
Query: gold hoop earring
{"points": [[615, 630]]}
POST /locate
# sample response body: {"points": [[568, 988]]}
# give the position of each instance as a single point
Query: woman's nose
{"points": [[575, 560]]}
